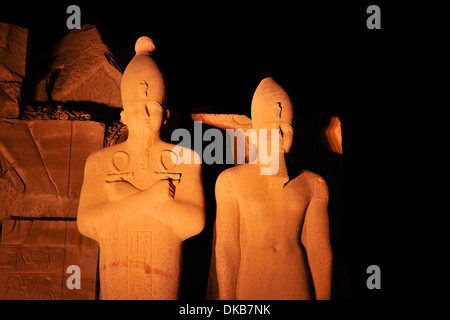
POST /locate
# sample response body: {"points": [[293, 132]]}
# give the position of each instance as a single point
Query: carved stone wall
{"points": [[34, 256], [48, 128], [13, 56], [42, 165]]}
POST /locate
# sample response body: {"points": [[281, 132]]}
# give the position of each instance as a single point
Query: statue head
{"points": [[143, 91], [272, 109]]}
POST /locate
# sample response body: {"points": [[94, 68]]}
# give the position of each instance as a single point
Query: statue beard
{"points": [[147, 139], [147, 136], [144, 137]]}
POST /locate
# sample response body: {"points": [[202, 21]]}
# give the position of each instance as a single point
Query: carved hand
{"points": [[162, 190]]}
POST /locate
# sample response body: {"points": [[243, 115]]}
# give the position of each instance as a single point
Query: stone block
{"points": [[82, 68], [13, 56]]}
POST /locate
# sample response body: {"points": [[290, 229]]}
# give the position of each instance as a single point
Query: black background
{"points": [[216, 53]]}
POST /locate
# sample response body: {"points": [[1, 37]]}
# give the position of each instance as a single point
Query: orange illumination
{"points": [[332, 135]]}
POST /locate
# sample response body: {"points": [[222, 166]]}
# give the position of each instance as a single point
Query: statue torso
{"points": [[273, 263], [140, 256]]}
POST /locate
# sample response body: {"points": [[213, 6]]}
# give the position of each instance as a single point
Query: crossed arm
{"points": [[183, 207]]}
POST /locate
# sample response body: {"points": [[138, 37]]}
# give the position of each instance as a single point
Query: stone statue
{"points": [[272, 232], [138, 201]]}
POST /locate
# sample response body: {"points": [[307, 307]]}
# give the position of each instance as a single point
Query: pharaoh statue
{"points": [[138, 201], [272, 230]]}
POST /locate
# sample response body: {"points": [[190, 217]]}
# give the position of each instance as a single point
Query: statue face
{"points": [[285, 133], [143, 114], [272, 110]]}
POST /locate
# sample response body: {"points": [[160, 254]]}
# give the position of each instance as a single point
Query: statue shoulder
{"points": [[95, 157], [224, 182], [233, 178], [96, 160], [316, 184]]}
